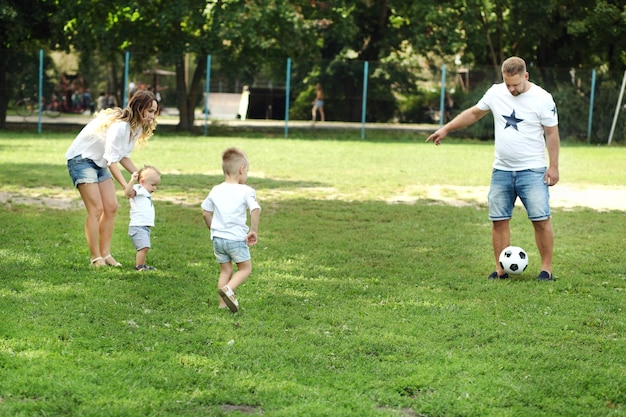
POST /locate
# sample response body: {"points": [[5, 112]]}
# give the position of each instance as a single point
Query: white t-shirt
{"points": [[104, 147], [141, 207], [228, 203], [518, 123]]}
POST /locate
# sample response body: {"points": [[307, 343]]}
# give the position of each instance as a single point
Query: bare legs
{"points": [[501, 238], [314, 113], [141, 256], [544, 237], [233, 280], [101, 204]]}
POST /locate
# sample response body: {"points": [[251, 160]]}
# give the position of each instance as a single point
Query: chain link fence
{"points": [[588, 101]]}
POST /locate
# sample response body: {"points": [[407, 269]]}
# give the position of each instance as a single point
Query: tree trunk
{"points": [[185, 122], [5, 91], [187, 99]]}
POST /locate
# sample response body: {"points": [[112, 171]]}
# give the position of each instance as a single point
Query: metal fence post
{"points": [[40, 101], [617, 106], [442, 109], [287, 88], [126, 64], [207, 92], [365, 77], [593, 91]]}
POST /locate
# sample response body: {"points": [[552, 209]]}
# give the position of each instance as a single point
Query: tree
{"points": [[244, 35], [327, 40], [547, 33], [25, 26]]}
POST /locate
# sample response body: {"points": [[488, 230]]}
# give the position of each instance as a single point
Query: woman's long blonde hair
{"points": [[132, 114]]}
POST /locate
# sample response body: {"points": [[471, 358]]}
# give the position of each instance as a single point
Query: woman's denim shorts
{"points": [[85, 171]]}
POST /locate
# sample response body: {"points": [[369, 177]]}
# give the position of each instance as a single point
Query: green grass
{"points": [[355, 306]]}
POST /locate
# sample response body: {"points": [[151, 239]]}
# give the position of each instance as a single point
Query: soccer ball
{"points": [[513, 260]]}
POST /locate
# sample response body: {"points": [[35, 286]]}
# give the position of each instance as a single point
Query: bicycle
{"points": [[26, 106]]}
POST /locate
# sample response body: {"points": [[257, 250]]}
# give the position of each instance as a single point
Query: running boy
{"points": [[225, 214], [142, 212]]}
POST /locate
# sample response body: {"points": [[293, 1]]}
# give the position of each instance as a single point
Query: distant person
{"points": [[225, 213], [77, 100], [87, 103], [318, 103], [525, 122], [92, 160], [111, 101], [139, 189], [101, 102]]}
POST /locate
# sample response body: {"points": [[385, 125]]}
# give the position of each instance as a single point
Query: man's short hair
{"points": [[513, 66]]}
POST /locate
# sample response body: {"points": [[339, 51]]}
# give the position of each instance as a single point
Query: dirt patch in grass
{"points": [[599, 198], [54, 198]]}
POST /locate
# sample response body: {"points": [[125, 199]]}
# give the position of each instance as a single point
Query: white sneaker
{"points": [[229, 298]]}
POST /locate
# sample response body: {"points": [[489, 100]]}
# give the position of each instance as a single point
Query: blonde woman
{"points": [[92, 160]]}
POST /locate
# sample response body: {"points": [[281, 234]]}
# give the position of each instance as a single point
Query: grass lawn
{"points": [[357, 305]]}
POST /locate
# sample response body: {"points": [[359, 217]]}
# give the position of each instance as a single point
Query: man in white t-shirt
{"points": [[525, 124]]}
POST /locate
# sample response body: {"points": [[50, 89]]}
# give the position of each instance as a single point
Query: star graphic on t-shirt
{"points": [[512, 120], [554, 110]]}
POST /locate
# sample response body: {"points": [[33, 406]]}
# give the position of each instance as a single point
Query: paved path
{"points": [[170, 118]]}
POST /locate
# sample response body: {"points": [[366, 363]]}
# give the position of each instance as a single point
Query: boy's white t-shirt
{"points": [[229, 204], [104, 146], [141, 207], [519, 125]]}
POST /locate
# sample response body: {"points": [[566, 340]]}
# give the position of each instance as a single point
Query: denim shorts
{"points": [[140, 235], [230, 250], [528, 185], [85, 171]]}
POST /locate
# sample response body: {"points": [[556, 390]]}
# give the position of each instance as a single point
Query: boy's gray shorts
{"points": [[140, 235]]}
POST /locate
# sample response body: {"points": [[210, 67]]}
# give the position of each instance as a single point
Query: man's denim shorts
{"points": [[528, 185], [230, 250], [85, 171]]}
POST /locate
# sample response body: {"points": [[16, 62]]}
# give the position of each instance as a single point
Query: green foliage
{"points": [[251, 41], [356, 305], [24, 27]]}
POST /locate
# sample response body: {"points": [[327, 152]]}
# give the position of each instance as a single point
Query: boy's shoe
{"points": [[545, 276], [229, 298], [144, 268], [495, 275]]}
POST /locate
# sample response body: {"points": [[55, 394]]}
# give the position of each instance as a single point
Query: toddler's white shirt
{"points": [[141, 207], [228, 203]]}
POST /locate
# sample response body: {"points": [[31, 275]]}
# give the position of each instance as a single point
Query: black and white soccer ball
{"points": [[513, 259]]}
